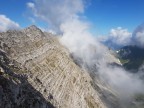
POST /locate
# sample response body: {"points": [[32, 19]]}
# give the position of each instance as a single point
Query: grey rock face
{"points": [[39, 73], [15, 90]]}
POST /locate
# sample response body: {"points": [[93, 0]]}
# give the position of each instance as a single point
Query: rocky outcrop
{"points": [[15, 90], [38, 72]]}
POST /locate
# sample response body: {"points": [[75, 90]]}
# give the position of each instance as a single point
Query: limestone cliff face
{"points": [[37, 71]]}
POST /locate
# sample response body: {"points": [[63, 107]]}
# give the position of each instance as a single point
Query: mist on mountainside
{"points": [[67, 19]]}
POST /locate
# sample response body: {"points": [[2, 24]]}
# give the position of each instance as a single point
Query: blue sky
{"points": [[107, 14], [103, 14], [15, 10]]}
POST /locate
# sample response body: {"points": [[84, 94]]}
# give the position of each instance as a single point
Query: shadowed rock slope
{"points": [[37, 72]]}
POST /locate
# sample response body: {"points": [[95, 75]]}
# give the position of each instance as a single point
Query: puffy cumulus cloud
{"points": [[121, 35], [118, 37], [138, 36], [6, 23], [55, 12]]}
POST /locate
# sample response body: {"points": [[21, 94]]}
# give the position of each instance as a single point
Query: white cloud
{"points": [[125, 83], [55, 12], [119, 37], [138, 36], [30, 5], [6, 24]]}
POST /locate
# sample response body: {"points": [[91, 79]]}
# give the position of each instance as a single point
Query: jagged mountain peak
{"points": [[32, 27], [50, 73]]}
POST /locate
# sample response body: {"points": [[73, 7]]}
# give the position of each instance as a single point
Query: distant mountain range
{"points": [[132, 57], [131, 54]]}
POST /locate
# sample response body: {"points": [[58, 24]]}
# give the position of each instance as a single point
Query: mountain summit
{"points": [[36, 71]]}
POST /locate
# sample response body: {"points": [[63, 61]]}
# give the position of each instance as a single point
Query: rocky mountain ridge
{"points": [[38, 72]]}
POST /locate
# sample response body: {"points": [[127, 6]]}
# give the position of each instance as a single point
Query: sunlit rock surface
{"points": [[36, 71]]}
